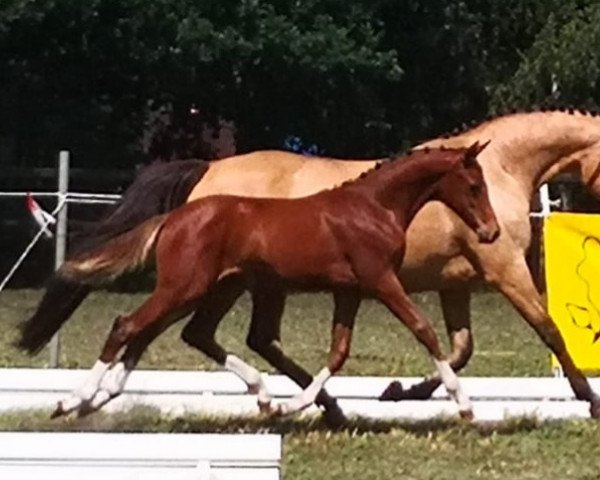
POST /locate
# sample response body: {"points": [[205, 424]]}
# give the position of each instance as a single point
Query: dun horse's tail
{"points": [[119, 255], [158, 188]]}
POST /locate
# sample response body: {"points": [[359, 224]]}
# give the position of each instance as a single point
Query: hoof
{"points": [[334, 416], [467, 415], [59, 411], [265, 407], [280, 410], [393, 393], [85, 409]]}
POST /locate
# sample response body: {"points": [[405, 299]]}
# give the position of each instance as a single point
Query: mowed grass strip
{"points": [[440, 449]]}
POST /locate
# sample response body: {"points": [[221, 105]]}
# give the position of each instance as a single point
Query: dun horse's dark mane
{"points": [[571, 110]]}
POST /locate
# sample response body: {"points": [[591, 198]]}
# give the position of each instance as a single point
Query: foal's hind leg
{"points": [[198, 333], [164, 307], [113, 382], [346, 308], [457, 316], [392, 294]]}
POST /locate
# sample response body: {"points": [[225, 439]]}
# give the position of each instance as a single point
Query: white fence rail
{"points": [[120, 456], [222, 393]]}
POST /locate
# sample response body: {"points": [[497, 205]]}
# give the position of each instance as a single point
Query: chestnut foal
{"points": [[349, 240]]}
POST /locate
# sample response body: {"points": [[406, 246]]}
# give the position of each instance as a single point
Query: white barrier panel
{"points": [[215, 393], [120, 456]]}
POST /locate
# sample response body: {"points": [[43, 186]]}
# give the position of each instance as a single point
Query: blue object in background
{"points": [[296, 145]]}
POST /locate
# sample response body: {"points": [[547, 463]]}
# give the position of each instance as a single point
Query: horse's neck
{"points": [[404, 186], [530, 147]]}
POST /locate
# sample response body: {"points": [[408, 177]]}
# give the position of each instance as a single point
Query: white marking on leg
{"points": [[111, 386], [453, 385], [114, 380], [101, 398], [307, 396], [250, 375], [70, 403], [92, 383], [87, 390]]}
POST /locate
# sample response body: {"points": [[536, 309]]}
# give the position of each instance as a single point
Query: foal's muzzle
{"points": [[489, 232]]}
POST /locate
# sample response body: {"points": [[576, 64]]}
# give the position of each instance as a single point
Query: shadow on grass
{"points": [[147, 419]]}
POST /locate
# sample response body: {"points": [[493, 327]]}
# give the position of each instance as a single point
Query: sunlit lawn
{"points": [[363, 450]]}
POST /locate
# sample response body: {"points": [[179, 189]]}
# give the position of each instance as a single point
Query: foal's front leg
{"points": [[393, 295], [264, 338], [346, 308], [201, 330]]}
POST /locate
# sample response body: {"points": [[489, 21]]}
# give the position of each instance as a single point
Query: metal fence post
{"points": [[61, 238]]}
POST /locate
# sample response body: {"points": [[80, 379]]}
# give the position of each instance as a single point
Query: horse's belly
{"points": [[437, 274], [434, 259]]}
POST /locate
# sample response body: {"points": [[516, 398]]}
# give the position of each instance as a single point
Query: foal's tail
{"points": [[126, 252], [158, 188], [119, 255]]}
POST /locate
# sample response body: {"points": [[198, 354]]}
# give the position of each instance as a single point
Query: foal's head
{"points": [[464, 190]]}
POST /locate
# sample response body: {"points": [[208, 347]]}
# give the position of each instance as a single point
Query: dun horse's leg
{"points": [[457, 316], [456, 308], [393, 295], [346, 307], [200, 333], [512, 278]]}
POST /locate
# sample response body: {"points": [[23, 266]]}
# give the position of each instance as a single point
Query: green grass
{"points": [[438, 449], [504, 344]]}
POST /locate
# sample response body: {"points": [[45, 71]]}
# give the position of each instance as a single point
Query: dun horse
{"points": [[349, 240], [528, 149]]}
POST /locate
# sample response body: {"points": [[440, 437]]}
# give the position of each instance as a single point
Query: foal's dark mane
{"points": [[399, 157]]}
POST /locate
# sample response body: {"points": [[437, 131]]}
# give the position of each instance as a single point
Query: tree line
{"points": [[120, 82]]}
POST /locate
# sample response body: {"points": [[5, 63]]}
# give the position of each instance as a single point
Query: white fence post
{"points": [[546, 203], [545, 200], [61, 237]]}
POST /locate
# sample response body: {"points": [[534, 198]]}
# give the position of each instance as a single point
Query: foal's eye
{"points": [[475, 189]]}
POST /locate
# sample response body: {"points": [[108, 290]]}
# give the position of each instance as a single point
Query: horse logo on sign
{"points": [[587, 316]]}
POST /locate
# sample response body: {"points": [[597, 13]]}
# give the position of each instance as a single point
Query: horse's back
{"points": [[276, 174], [257, 174]]}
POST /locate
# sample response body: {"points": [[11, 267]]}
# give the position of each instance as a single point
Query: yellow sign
{"points": [[572, 263]]}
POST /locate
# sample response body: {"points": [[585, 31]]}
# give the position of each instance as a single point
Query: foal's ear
{"points": [[472, 152]]}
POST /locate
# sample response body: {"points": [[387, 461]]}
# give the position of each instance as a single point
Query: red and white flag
{"points": [[42, 218]]}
